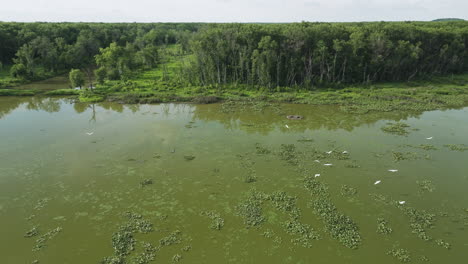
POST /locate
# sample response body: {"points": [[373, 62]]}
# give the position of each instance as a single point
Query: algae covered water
{"points": [[231, 183]]}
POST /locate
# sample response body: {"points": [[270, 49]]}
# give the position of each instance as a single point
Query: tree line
{"points": [[308, 54], [266, 55]]}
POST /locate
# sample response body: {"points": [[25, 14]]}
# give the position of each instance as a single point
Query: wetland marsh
{"points": [[113, 183]]}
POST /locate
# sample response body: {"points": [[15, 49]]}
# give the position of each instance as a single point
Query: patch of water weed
{"points": [[399, 156], [176, 258], [442, 243], [248, 165], [303, 233], [146, 182], [187, 248], [148, 255], [420, 220], [340, 226], [315, 187], [288, 153], [41, 203], [171, 239], [426, 185], [352, 165], [397, 128], [251, 209], [423, 147], [189, 157], [42, 240], [285, 203], [123, 243], [261, 150], [400, 254], [32, 233], [217, 222], [347, 191], [455, 147], [382, 227], [113, 260]]}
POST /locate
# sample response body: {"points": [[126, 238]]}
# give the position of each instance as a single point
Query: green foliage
{"points": [[459, 147], [19, 71], [217, 222], [173, 238], [76, 78], [100, 75]]}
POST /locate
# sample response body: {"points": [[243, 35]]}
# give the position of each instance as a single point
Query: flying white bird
{"points": [[329, 152], [318, 161], [429, 138], [89, 133], [402, 202], [345, 152], [392, 170], [286, 126], [317, 175], [328, 164], [377, 182]]}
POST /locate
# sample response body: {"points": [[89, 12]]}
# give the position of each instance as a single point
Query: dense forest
{"points": [[266, 55]]}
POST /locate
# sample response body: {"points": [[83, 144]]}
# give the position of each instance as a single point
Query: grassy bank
{"points": [[166, 83]]}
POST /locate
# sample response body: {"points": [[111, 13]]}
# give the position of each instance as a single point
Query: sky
{"points": [[230, 10]]}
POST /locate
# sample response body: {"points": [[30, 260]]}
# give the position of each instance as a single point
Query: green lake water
{"points": [[80, 167]]}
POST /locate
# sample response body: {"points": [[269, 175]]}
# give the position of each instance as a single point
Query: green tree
{"points": [[76, 78], [100, 75], [19, 71]]}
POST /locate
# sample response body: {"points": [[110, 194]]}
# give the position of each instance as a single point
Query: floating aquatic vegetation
{"points": [[315, 187], [399, 156], [400, 254], [382, 227], [217, 222], [187, 248], [32, 233], [250, 209], [113, 260], [176, 258], [41, 241], [303, 140], [459, 147], [189, 157], [348, 191], [250, 177], [424, 147], [171, 239], [426, 185], [340, 226], [303, 232], [398, 128], [443, 244], [148, 255], [123, 240], [420, 221], [288, 153], [261, 149], [146, 182], [136, 224], [285, 203], [352, 165], [123, 243], [41, 203]]}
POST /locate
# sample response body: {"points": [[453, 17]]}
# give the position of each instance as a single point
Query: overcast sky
{"points": [[230, 10]]}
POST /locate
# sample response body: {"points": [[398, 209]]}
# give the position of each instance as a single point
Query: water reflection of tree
{"points": [[315, 117], [50, 105]]}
